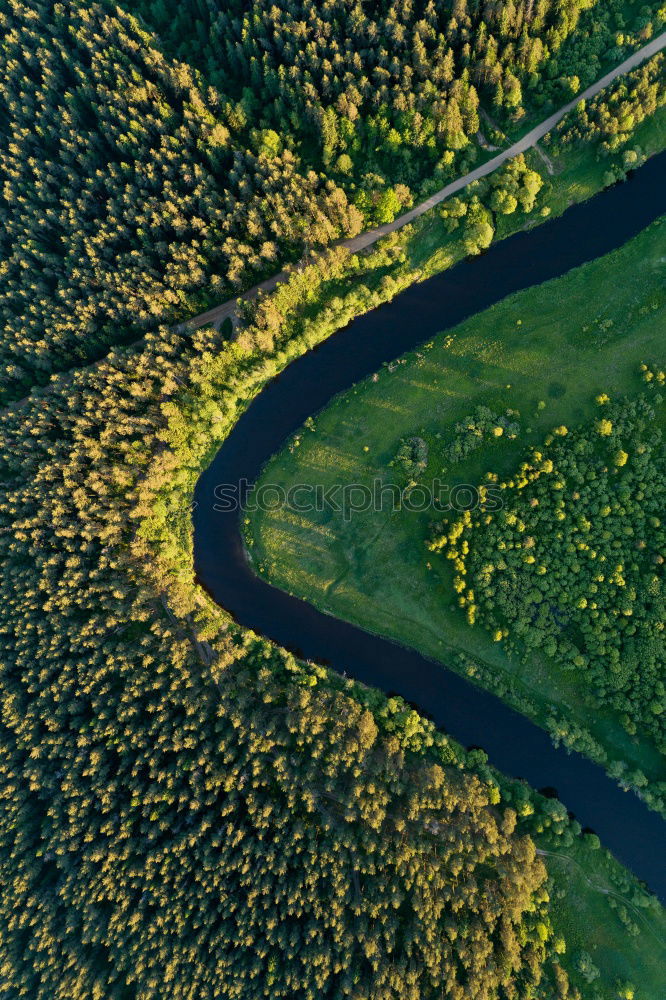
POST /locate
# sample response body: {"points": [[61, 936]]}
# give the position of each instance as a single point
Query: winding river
{"points": [[474, 717]]}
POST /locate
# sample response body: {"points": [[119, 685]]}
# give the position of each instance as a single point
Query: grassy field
{"points": [[546, 353], [598, 909]]}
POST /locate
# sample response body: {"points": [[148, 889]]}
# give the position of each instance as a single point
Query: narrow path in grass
{"points": [[227, 310], [606, 892]]}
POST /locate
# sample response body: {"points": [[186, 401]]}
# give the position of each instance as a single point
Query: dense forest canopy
{"points": [[124, 199], [136, 190], [255, 835], [394, 87]]}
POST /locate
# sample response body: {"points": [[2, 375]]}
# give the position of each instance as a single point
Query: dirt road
{"points": [[218, 314]]}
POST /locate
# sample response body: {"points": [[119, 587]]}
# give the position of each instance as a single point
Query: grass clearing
{"points": [[598, 909]]}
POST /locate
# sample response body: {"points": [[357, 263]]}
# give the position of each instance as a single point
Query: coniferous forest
{"points": [[137, 188], [186, 809]]}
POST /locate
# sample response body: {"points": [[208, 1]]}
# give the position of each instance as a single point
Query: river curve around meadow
{"points": [[470, 714]]}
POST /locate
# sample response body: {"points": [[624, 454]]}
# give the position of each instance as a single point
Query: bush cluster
{"points": [[482, 427], [573, 563]]}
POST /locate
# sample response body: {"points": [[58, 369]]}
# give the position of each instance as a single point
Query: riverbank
{"points": [[525, 143], [543, 354]]}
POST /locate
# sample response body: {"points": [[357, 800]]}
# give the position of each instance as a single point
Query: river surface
{"points": [[474, 717]]}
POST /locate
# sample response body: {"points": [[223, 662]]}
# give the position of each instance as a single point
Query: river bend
{"points": [[473, 716]]}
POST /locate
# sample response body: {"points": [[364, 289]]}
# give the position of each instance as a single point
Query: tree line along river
{"points": [[471, 715]]}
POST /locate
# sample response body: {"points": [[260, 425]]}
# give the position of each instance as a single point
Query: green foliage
{"points": [[479, 229], [412, 457], [655, 378], [186, 808], [135, 193], [184, 803], [586, 967], [573, 562], [380, 203], [481, 428], [611, 117], [125, 200], [394, 86], [515, 185]]}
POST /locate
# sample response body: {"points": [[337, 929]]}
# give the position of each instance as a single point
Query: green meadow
{"points": [[599, 910], [544, 354]]}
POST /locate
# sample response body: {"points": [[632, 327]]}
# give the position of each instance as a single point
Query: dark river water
{"points": [[474, 717]]}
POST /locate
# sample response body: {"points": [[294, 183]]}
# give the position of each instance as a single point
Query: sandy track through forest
{"points": [[227, 309]]}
